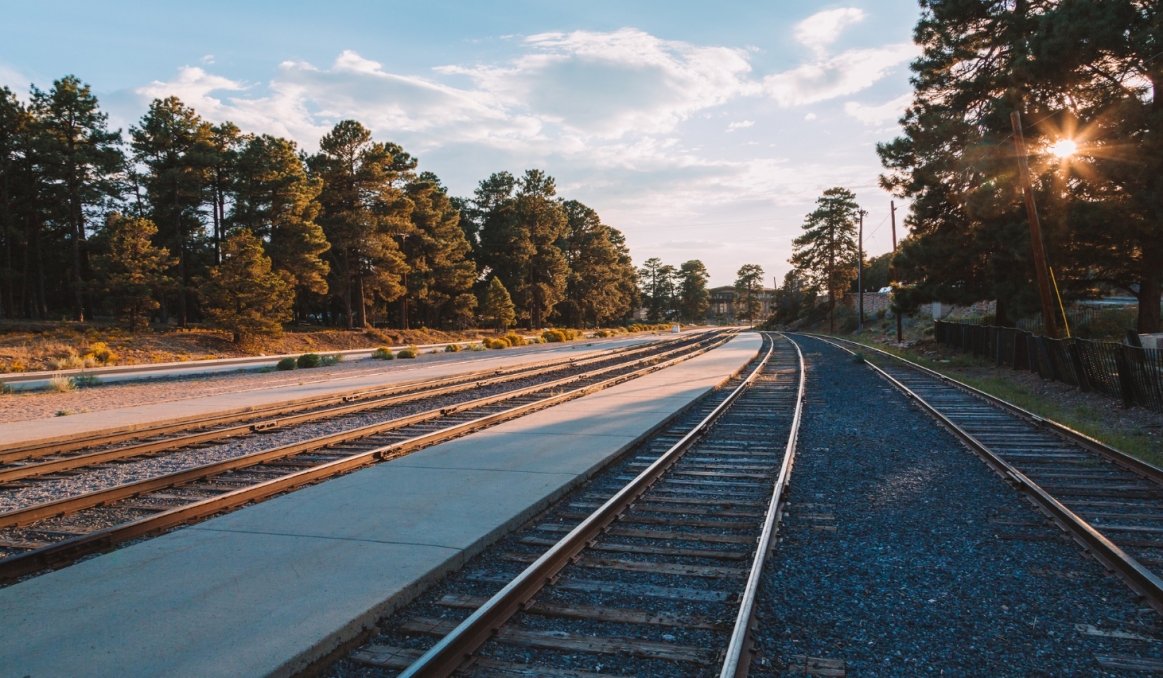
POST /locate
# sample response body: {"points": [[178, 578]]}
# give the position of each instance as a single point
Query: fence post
{"points": [[1044, 359], [1073, 351], [1126, 379]]}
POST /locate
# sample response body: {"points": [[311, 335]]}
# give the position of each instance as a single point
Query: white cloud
{"points": [[823, 28], [611, 84], [208, 59], [742, 124], [810, 116], [840, 75], [875, 115]]}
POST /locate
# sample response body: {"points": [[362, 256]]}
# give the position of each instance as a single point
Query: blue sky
{"points": [[701, 130]]}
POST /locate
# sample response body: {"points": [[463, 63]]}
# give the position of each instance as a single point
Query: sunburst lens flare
{"points": [[1064, 148]]}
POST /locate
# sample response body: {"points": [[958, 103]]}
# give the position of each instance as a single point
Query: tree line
{"points": [[182, 220], [670, 293], [1084, 75]]}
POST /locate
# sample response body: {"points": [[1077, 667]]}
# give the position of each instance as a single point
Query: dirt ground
{"points": [[33, 346]]}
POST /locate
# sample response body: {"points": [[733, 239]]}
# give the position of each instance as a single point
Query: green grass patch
{"points": [[1083, 418]]}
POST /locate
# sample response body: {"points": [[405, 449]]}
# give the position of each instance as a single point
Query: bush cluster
{"points": [[410, 352], [286, 364], [452, 348], [384, 353]]}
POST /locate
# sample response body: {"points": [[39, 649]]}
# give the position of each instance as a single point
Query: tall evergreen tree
{"points": [[748, 287], [220, 148], [440, 274], [595, 292], [654, 277], [15, 201], [519, 235], [170, 141], [131, 270], [497, 308], [693, 298], [364, 211], [276, 200], [826, 252], [82, 159], [244, 294]]}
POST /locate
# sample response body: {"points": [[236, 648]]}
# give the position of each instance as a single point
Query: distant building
{"points": [[723, 303]]}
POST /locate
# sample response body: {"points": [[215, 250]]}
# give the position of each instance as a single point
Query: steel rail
{"points": [[1141, 580], [457, 647], [366, 401], [56, 446], [1117, 456], [737, 660], [56, 507], [70, 549]]}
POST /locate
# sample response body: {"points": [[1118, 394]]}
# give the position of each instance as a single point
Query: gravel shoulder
{"points": [[902, 555]]}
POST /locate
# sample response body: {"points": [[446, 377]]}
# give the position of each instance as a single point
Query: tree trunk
{"points": [[78, 228], [831, 312], [1149, 287], [360, 303], [25, 302], [42, 304]]}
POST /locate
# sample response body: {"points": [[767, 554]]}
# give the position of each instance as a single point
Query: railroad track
{"points": [[1109, 502], [651, 569], [18, 462], [56, 532]]}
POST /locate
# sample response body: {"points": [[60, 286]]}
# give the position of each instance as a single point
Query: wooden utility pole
{"points": [[860, 274], [892, 215], [1049, 321]]}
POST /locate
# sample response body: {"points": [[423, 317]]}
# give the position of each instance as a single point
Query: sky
{"points": [[700, 130]]}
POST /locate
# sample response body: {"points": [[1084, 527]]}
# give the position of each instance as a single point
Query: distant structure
{"points": [[723, 303]]}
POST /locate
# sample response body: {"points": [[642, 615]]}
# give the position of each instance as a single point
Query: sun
{"points": [[1064, 148]]}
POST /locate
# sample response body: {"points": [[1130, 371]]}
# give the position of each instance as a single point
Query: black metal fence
{"points": [[1130, 373]]}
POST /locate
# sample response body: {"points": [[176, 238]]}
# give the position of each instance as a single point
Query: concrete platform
{"points": [[266, 590], [16, 434]]}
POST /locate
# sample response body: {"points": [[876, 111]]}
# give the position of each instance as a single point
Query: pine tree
{"points": [[594, 285], [243, 294], [131, 269], [694, 300], [497, 309], [220, 148], [171, 141], [826, 252], [364, 211], [15, 125], [519, 237], [276, 200], [748, 287], [440, 274], [81, 160]]}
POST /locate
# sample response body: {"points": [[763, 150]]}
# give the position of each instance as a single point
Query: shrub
{"points": [[286, 364], [553, 336], [61, 384], [514, 339], [496, 343], [6, 389], [410, 352], [452, 348], [86, 381], [858, 358], [69, 362], [384, 353], [477, 347], [533, 340], [101, 352], [332, 359], [309, 360]]}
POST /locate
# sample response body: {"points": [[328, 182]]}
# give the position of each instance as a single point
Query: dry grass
{"points": [[37, 346]]}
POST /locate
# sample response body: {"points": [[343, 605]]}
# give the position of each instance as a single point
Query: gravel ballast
{"points": [[902, 554]]}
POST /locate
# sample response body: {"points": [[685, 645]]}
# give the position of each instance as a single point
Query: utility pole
{"points": [[892, 216], [860, 274], [1049, 321]]}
